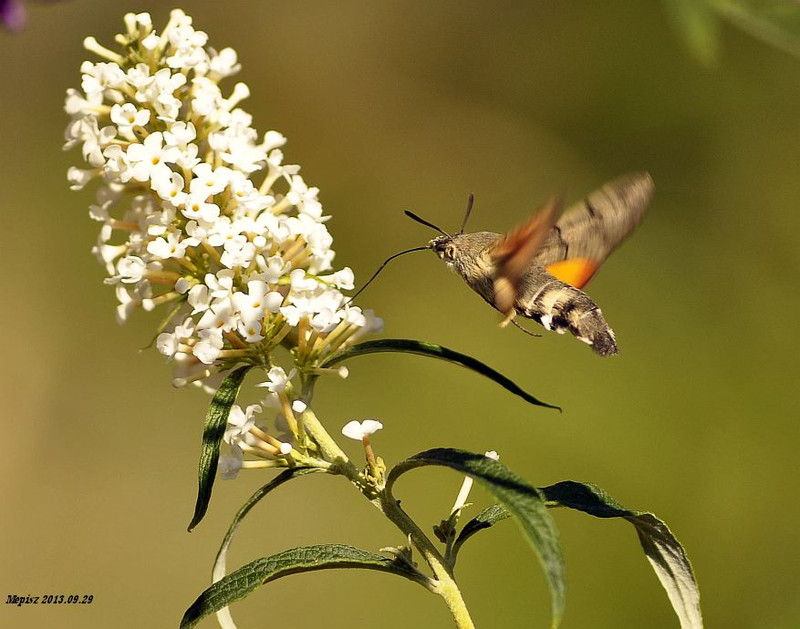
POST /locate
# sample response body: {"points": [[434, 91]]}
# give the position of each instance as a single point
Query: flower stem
{"points": [[329, 449], [445, 585]]}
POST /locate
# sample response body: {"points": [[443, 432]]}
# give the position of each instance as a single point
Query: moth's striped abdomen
{"points": [[559, 306]]}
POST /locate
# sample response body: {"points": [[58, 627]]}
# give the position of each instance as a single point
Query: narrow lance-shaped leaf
{"points": [[422, 348], [662, 549], [223, 615], [246, 579], [524, 502], [213, 431]]}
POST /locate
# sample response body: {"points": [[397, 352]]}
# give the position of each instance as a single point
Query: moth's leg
{"points": [[508, 318], [516, 324]]}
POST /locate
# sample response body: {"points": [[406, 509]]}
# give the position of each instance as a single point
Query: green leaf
{"points": [[662, 549], [485, 519], [524, 502], [216, 419], [240, 583], [422, 348]]}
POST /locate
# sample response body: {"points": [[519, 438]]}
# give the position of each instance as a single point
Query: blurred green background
{"points": [[393, 105]]}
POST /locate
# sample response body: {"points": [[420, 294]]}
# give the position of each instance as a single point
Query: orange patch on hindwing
{"points": [[576, 272]]}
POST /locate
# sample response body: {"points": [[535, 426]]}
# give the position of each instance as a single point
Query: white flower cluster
{"points": [[246, 265]]}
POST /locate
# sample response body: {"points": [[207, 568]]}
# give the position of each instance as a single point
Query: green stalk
{"points": [[444, 585], [329, 449]]}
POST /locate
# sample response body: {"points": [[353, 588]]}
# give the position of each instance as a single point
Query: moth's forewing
{"points": [[513, 254]]}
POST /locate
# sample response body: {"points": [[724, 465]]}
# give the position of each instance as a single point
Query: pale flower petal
{"points": [[358, 430]]}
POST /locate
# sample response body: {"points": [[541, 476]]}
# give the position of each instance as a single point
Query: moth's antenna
{"points": [[380, 268], [470, 202], [413, 216]]}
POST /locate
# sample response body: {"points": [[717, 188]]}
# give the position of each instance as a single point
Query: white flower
{"points": [[168, 343], [94, 139], [100, 77], [272, 140], [224, 63], [219, 317], [250, 331], [304, 198], [292, 314], [188, 45], [130, 299], [169, 186], [343, 279], [131, 269], [240, 422], [207, 349], [278, 379], [239, 252], [300, 282], [180, 134], [221, 284], [149, 159], [78, 177], [78, 104], [208, 180], [273, 268], [359, 430], [196, 206], [199, 298], [169, 247], [126, 117], [256, 301]]}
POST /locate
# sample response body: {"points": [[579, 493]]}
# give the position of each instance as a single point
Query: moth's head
{"points": [[445, 248]]}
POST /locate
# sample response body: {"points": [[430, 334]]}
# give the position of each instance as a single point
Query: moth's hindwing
{"points": [[592, 228]]}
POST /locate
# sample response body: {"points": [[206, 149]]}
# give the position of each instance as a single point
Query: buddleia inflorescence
{"points": [[201, 214]]}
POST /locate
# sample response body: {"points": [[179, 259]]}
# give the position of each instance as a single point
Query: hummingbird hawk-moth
{"points": [[537, 271]]}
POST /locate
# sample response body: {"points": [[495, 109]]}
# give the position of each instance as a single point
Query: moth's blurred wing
{"points": [[513, 254], [590, 230]]}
